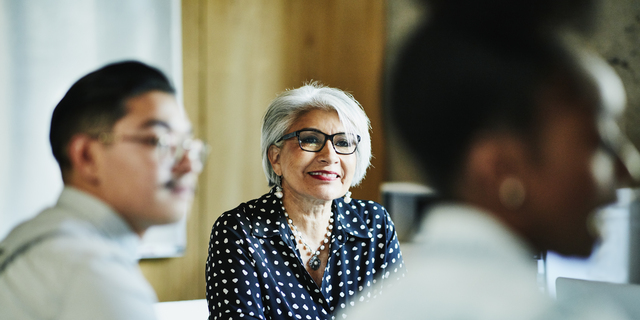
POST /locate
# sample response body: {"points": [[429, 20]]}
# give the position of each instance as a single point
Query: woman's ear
{"points": [[274, 158], [498, 156], [492, 159], [83, 158]]}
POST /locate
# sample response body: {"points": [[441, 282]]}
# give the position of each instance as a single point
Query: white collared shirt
{"points": [[465, 264], [76, 260]]}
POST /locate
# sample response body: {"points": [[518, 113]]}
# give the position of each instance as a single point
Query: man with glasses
{"points": [[128, 161]]}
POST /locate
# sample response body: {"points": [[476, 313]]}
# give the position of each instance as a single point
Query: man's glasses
{"points": [[314, 140], [168, 148]]}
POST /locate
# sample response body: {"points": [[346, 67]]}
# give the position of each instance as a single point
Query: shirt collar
{"points": [[267, 218], [102, 217], [349, 224], [266, 215], [457, 223]]}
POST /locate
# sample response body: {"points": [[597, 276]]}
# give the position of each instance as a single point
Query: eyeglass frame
{"points": [[108, 138], [326, 137]]}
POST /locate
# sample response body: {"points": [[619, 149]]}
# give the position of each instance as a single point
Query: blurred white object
{"points": [[405, 202], [616, 258], [182, 310], [584, 292]]}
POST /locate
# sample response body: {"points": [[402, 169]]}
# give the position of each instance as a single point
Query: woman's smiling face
{"points": [[323, 175]]}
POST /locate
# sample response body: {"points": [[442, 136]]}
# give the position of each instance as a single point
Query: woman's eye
{"points": [[342, 143], [309, 140]]}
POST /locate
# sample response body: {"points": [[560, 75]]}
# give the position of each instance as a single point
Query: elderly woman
{"points": [[306, 249]]}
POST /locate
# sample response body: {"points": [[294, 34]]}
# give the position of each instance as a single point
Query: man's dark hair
{"points": [[450, 86], [98, 100]]}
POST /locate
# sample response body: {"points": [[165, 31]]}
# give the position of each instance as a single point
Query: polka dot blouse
{"points": [[254, 271]]}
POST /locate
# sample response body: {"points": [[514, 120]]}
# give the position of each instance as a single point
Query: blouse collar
{"points": [[267, 218]]}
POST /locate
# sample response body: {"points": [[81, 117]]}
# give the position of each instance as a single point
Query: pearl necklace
{"points": [[314, 261]]}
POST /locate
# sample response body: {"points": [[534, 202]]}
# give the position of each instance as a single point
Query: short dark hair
{"points": [[449, 87], [509, 17], [98, 100]]}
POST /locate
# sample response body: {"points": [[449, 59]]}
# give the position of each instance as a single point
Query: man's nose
{"points": [[623, 176], [187, 163]]}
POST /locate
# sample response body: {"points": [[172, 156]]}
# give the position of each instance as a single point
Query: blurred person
{"points": [[508, 131], [306, 249], [508, 18], [128, 162]]}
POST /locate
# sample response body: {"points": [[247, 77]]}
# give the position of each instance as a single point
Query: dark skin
{"points": [[562, 184]]}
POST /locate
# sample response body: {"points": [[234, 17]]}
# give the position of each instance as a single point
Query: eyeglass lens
{"points": [[313, 141], [195, 149]]}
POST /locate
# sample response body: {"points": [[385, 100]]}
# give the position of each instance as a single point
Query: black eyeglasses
{"points": [[314, 140]]}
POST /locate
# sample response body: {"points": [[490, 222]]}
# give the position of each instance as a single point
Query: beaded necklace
{"points": [[314, 261]]}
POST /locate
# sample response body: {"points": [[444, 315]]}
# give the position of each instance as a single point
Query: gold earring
{"points": [[511, 193]]}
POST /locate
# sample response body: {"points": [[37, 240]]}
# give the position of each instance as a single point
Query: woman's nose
{"points": [[328, 153]]}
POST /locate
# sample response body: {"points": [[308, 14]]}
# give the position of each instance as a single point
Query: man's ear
{"points": [[83, 157], [273, 153]]}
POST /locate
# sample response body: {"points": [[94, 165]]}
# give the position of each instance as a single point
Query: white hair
{"points": [[289, 105]]}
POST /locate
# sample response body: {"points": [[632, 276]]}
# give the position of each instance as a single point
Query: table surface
{"points": [[182, 310]]}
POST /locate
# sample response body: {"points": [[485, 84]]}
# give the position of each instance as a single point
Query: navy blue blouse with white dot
{"points": [[254, 270]]}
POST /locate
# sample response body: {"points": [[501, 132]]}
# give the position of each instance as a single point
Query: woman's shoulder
{"points": [[361, 205], [246, 212], [364, 208]]}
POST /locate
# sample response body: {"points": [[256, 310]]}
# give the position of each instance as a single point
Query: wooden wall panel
{"points": [[341, 44], [238, 54]]}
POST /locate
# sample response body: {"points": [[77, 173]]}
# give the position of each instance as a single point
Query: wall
{"points": [[237, 56], [402, 17], [617, 39]]}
